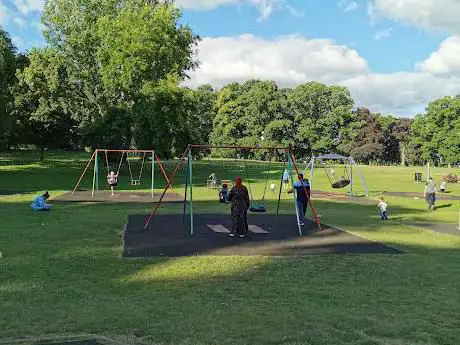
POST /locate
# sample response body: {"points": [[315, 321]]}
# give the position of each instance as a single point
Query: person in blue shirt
{"points": [[39, 203], [223, 194], [302, 189]]}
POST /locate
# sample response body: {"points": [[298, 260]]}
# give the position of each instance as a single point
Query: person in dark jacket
{"points": [[239, 197], [302, 189]]}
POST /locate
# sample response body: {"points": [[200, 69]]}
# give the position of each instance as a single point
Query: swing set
{"points": [[256, 205], [137, 165], [345, 178]]}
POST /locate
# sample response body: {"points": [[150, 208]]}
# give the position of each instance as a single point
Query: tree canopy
{"points": [[111, 76]]}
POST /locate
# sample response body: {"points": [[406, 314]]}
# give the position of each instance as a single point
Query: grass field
{"points": [[61, 272]]}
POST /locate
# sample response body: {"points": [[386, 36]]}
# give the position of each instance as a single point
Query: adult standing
{"points": [[239, 197], [430, 193], [302, 189]]}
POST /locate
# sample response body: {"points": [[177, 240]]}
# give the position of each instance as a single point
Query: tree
{"points": [[242, 113], [435, 133], [39, 108], [401, 131], [367, 146], [109, 55], [7, 80], [322, 117]]}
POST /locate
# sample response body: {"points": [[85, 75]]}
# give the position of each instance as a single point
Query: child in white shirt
{"points": [[112, 179], [442, 186], [382, 205]]}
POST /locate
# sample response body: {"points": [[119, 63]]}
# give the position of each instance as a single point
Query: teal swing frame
{"points": [[187, 159]]}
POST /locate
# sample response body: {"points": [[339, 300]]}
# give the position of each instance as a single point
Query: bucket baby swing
{"points": [[257, 205], [345, 179]]}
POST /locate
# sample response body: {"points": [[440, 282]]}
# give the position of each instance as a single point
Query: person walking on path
{"points": [[430, 193]]}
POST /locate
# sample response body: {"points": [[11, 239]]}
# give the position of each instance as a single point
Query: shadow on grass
{"points": [[67, 276]]}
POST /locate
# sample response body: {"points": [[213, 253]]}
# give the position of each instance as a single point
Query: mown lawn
{"points": [[61, 272]]}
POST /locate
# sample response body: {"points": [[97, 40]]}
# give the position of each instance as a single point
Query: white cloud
{"points": [[264, 7], [292, 60], [18, 41], [27, 6], [372, 13], [3, 14], [383, 33], [446, 60], [348, 5], [428, 14], [21, 22]]}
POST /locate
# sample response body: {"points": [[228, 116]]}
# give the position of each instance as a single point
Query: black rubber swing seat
{"points": [[257, 208], [340, 183]]}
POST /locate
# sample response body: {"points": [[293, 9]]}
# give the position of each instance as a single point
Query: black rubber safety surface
{"points": [[169, 235]]}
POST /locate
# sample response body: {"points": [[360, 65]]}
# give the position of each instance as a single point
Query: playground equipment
{"points": [[346, 178], [257, 204], [137, 165]]}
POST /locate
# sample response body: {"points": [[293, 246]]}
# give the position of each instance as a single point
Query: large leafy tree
{"points": [[243, 112], [435, 135], [368, 143], [39, 106], [322, 117], [110, 55], [7, 80]]}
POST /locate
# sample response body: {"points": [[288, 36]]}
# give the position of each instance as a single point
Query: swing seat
{"points": [[135, 182], [342, 183], [257, 208]]}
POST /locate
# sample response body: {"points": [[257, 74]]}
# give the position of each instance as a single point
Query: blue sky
{"points": [[394, 55], [325, 19]]}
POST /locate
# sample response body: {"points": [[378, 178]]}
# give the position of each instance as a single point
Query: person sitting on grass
{"points": [[382, 205], [223, 194], [112, 179], [39, 203]]}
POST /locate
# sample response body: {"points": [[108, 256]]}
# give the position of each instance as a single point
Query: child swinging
{"points": [[112, 180]]}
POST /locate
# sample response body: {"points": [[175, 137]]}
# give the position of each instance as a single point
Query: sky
{"points": [[395, 56]]}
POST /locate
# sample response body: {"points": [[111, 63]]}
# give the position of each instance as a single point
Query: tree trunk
{"points": [[403, 156], [42, 153]]}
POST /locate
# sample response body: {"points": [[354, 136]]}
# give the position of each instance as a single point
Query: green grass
{"points": [[61, 272]]}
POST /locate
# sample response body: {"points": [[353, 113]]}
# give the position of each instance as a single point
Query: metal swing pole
{"points": [[291, 174], [153, 172], [281, 186], [351, 179], [155, 208], [95, 173], [184, 211], [318, 223], [311, 174], [190, 176], [84, 171]]}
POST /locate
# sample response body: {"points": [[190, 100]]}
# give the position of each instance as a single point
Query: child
{"points": [[442, 186], [112, 179], [382, 205], [223, 194], [285, 179], [39, 203]]}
